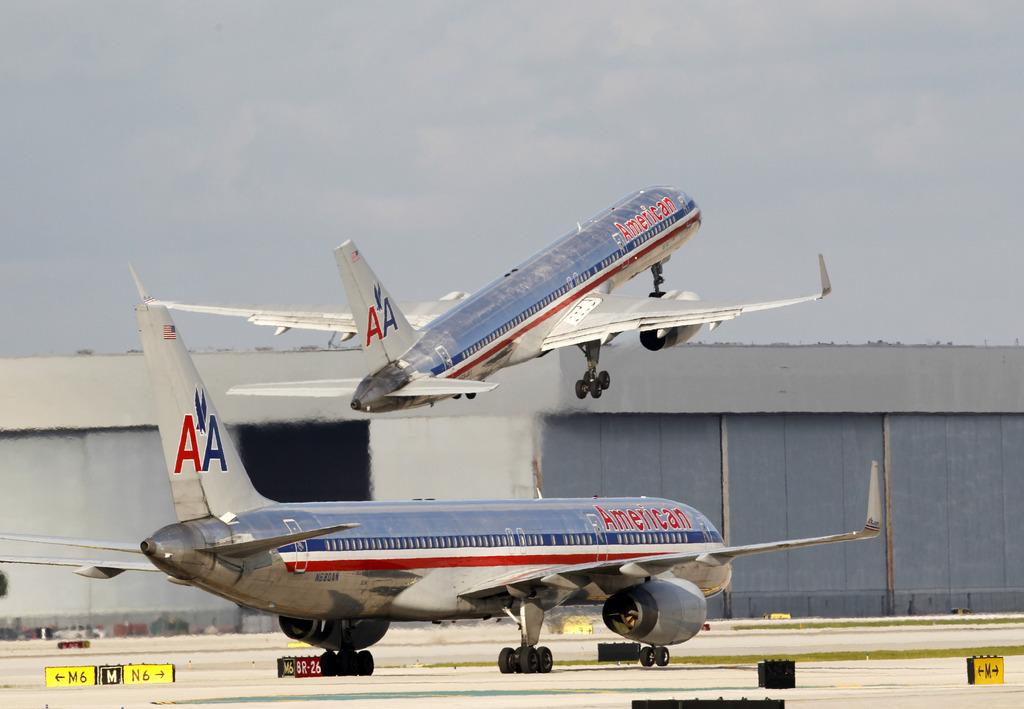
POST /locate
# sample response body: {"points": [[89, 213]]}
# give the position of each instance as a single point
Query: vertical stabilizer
{"points": [[383, 331], [207, 477]]}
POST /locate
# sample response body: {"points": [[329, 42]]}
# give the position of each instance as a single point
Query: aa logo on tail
{"points": [[193, 430], [373, 320]]}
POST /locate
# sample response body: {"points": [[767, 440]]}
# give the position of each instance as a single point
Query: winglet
{"points": [[143, 291], [874, 521], [826, 284]]}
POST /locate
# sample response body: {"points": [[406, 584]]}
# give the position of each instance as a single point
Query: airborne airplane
{"points": [[338, 573], [422, 353]]}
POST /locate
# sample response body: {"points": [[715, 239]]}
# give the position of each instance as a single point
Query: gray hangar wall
{"points": [[953, 488], [770, 442]]}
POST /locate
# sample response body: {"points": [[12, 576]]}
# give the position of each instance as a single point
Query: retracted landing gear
{"points": [[592, 383], [527, 658], [651, 656], [346, 663], [656, 271]]}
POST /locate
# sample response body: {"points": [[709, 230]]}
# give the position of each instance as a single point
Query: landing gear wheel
{"points": [[346, 663], [595, 388], [661, 656], [605, 379], [328, 664], [529, 660], [506, 661], [647, 656], [546, 660], [516, 665], [364, 663], [581, 389]]}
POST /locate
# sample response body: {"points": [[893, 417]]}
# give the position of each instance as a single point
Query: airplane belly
{"points": [[313, 594]]}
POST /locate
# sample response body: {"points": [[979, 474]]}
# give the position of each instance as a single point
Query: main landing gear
{"points": [[592, 383], [527, 658], [346, 663], [651, 656]]}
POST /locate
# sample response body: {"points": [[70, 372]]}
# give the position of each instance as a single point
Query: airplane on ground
{"points": [[425, 352], [338, 573]]}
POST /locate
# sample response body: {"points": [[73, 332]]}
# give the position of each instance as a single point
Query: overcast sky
{"points": [[227, 147]]}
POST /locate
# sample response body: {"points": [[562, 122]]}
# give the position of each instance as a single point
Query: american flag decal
{"points": [[355, 256], [170, 333]]}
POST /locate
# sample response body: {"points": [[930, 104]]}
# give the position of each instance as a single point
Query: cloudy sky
{"points": [[227, 147]]}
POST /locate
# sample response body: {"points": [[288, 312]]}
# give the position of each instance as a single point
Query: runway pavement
{"points": [[240, 671]]}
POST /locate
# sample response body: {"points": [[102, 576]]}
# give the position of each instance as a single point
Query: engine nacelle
{"points": [[659, 612], [334, 634], [655, 340]]}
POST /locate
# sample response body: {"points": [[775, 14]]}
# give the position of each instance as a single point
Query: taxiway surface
{"points": [[240, 671]]}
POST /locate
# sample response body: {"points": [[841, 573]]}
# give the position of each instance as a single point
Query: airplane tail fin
{"points": [[206, 472], [383, 330]]}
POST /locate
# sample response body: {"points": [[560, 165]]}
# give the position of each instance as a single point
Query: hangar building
{"points": [[772, 442]]}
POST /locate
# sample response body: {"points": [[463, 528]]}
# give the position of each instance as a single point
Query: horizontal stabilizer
{"points": [[84, 567], [105, 545], [435, 386], [251, 547], [315, 387]]}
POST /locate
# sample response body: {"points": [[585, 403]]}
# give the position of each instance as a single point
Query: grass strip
{"points": [[878, 623]]}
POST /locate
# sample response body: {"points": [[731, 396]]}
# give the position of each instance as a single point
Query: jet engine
{"points": [[655, 340], [659, 612], [334, 634]]}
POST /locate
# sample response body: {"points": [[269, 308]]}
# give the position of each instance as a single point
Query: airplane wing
{"points": [[521, 583], [425, 386], [601, 316], [331, 318]]}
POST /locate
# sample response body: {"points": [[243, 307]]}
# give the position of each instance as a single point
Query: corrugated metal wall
{"points": [[958, 493], [957, 489]]}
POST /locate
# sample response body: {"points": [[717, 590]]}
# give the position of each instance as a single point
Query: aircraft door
{"points": [[445, 358], [602, 540], [301, 548], [514, 541], [705, 532]]}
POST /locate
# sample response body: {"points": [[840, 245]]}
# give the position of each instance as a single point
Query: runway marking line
{"points": [[439, 694]]}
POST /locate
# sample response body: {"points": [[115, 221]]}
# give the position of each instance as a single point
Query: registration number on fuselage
{"points": [[326, 576]]}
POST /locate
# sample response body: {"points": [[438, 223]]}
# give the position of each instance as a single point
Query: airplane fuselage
{"points": [[505, 322], [422, 560]]}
